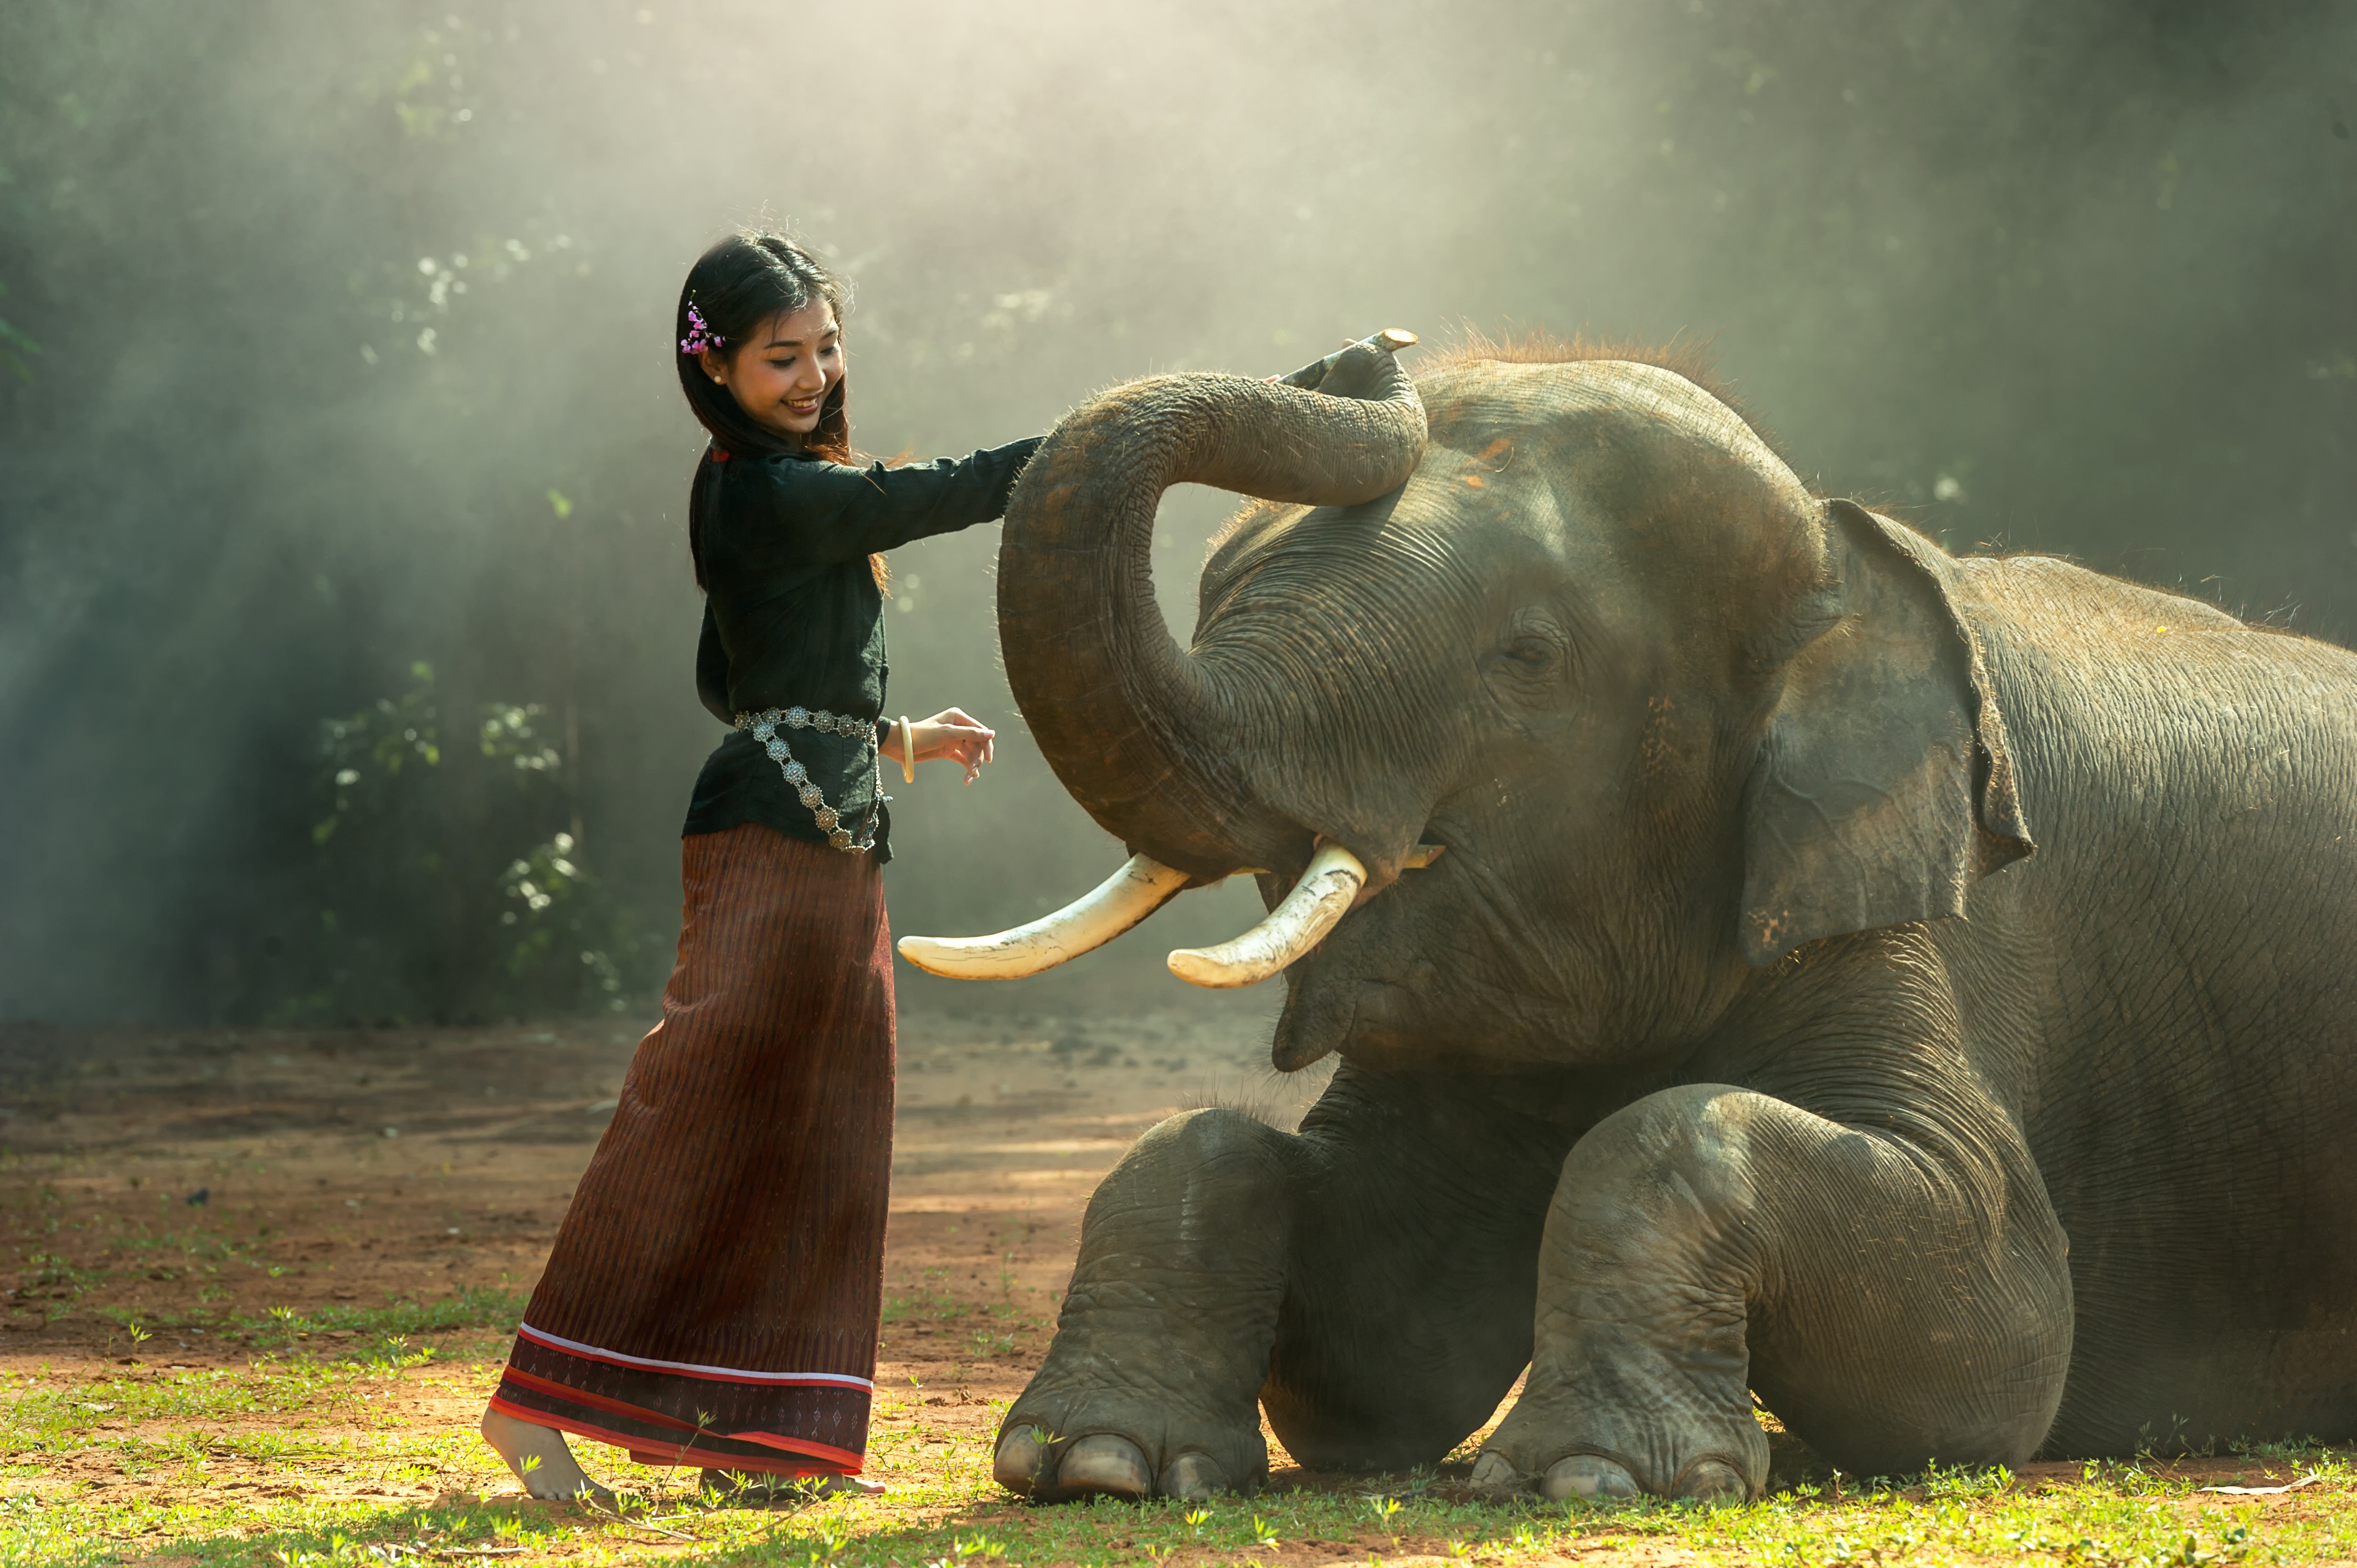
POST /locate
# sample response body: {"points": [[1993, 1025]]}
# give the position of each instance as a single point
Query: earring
{"points": [[718, 383]]}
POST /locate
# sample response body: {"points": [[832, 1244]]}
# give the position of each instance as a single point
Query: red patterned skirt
{"points": [[714, 1292]]}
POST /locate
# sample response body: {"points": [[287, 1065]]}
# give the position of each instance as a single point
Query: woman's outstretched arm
{"points": [[829, 511]]}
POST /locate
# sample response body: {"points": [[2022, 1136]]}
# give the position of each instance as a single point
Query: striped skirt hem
{"points": [[713, 1295]]}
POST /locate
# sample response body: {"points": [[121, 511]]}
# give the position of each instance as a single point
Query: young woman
{"points": [[714, 1292]]}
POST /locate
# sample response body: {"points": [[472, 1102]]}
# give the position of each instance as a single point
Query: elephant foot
{"points": [[1566, 1444], [1592, 1478], [1102, 1464], [1589, 1476]]}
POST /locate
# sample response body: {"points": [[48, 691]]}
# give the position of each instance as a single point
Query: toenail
{"points": [[1590, 1476], [1103, 1463], [1495, 1473], [1021, 1461], [1713, 1481], [1196, 1477]]}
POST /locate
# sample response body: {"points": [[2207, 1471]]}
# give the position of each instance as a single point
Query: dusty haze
{"points": [[2070, 278]]}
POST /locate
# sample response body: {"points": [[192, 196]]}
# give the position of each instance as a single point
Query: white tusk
{"points": [[1322, 897], [1119, 902]]}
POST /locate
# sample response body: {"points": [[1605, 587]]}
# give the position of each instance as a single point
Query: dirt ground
{"points": [[177, 1204], [187, 1181]]}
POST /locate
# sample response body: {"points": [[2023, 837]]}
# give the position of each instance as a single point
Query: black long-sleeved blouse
{"points": [[792, 618]]}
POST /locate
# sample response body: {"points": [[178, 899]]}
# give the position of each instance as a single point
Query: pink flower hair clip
{"points": [[699, 336]]}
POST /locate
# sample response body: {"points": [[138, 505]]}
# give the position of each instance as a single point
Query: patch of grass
{"points": [[294, 1462], [982, 1344], [933, 1305], [959, 1518], [477, 1307], [371, 1329], [2285, 1448], [921, 1304], [58, 1283], [39, 1414], [962, 1521]]}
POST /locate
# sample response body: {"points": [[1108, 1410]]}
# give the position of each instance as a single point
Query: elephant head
{"points": [[1563, 616]]}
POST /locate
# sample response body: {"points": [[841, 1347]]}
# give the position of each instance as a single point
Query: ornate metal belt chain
{"points": [[764, 725]]}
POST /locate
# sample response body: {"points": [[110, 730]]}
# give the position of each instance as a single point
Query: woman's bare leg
{"points": [[540, 1459]]}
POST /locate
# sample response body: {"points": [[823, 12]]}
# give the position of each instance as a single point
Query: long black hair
{"points": [[746, 279]]}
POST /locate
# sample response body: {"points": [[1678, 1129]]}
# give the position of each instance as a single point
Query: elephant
{"points": [[1770, 958]]}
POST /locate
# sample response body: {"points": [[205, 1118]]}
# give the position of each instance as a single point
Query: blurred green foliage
{"points": [[354, 344], [447, 879]]}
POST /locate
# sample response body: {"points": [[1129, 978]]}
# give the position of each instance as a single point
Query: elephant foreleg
{"points": [[1897, 1293], [1152, 1384], [1369, 1279]]}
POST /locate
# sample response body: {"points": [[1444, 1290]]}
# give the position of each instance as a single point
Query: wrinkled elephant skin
{"points": [[1915, 988]]}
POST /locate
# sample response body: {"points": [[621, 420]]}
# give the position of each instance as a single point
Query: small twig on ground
{"points": [[2265, 1491]]}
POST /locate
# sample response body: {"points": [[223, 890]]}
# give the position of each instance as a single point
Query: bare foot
{"points": [[761, 1489], [540, 1459]]}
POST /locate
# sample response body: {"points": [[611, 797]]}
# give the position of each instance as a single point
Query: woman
{"points": [[714, 1292]]}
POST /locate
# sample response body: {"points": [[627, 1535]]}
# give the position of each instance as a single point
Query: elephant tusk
{"points": [[1119, 902], [1322, 897]]}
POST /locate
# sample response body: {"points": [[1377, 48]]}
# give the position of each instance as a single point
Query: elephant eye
{"points": [[1532, 653], [1531, 657]]}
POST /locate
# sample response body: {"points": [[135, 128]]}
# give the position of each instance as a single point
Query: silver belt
{"points": [[764, 725]]}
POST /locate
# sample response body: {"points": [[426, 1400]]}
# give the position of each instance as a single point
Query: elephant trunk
{"points": [[1151, 742]]}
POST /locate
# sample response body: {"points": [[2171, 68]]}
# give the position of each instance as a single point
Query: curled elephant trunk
{"points": [[1147, 739]]}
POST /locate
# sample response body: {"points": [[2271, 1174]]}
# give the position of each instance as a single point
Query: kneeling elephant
{"points": [[1765, 952]]}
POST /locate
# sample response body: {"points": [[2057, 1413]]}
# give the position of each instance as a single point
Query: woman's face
{"points": [[782, 371]]}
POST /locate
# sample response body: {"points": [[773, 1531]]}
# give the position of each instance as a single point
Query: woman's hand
{"points": [[951, 735]]}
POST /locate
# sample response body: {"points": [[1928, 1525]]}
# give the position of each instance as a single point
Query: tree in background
{"points": [[448, 882], [326, 297]]}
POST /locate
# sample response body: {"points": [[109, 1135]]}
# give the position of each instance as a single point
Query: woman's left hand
{"points": [[951, 735]]}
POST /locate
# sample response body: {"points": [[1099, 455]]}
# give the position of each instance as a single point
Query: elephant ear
{"points": [[1885, 787]]}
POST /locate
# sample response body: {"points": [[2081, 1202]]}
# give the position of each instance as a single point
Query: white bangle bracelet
{"points": [[907, 751]]}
